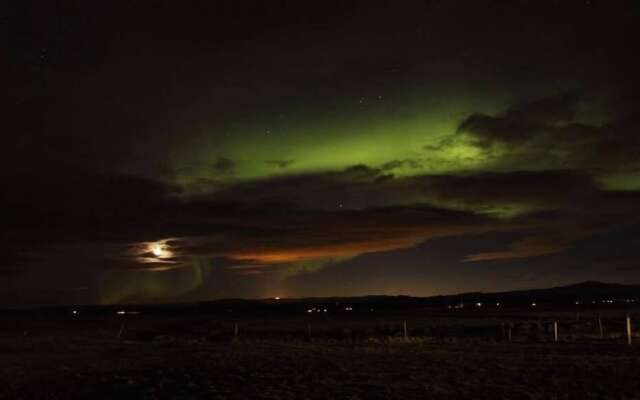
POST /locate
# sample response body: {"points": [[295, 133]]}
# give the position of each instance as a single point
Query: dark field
{"points": [[447, 355]]}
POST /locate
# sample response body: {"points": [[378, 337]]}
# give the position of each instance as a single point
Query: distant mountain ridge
{"points": [[583, 293], [585, 289]]}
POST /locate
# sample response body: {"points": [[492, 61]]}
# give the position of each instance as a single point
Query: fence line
{"points": [[586, 329]]}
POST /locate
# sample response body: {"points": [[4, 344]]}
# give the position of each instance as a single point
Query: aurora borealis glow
{"points": [[370, 134], [247, 149]]}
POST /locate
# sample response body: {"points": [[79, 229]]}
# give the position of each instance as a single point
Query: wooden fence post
{"points": [[555, 331], [628, 329], [121, 331], [600, 326], [404, 328], [509, 334]]}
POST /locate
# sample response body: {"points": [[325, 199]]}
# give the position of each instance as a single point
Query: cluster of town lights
{"points": [[314, 309], [324, 310]]}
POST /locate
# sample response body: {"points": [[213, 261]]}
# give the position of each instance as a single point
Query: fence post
{"points": [[121, 331], [404, 328], [509, 334], [600, 326], [555, 331], [628, 329]]}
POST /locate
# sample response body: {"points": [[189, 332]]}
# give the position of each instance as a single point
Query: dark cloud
{"points": [[292, 224], [282, 164], [361, 187], [327, 235], [523, 201], [550, 110], [395, 164], [537, 189], [521, 122], [305, 217], [547, 130], [224, 166]]}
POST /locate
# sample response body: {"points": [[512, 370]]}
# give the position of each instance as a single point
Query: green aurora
{"points": [[372, 135], [403, 136]]}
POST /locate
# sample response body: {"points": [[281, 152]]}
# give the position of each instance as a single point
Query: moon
{"points": [[160, 250]]}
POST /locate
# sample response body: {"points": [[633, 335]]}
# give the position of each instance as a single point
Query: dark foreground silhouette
{"points": [[572, 344]]}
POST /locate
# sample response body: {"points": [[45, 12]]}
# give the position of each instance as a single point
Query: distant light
{"points": [[478, 304], [277, 298], [74, 312], [325, 310], [577, 302], [348, 308], [533, 304], [309, 310], [498, 304], [121, 312]]}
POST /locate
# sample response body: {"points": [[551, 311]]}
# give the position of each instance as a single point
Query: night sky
{"points": [[178, 151]]}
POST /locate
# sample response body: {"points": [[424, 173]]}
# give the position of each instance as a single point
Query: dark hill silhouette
{"points": [[582, 294]]}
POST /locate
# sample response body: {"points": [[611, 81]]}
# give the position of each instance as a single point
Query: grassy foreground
{"points": [[89, 366]]}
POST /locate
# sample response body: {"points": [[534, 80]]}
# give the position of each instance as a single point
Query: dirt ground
{"points": [[54, 364]]}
